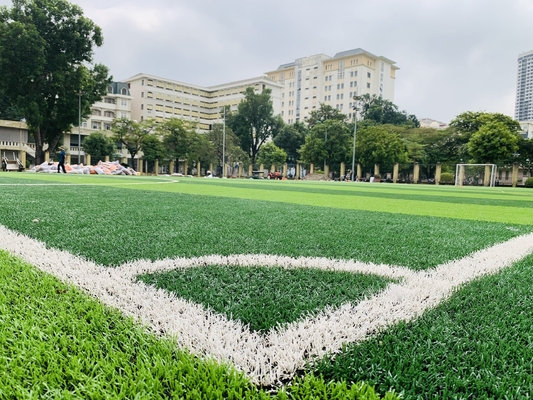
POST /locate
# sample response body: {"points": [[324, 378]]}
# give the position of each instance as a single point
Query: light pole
{"points": [[79, 127], [224, 145], [354, 136]]}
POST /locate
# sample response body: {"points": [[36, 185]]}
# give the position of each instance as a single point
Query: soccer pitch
{"points": [[205, 288]]}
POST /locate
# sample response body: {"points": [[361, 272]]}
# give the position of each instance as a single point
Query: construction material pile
{"points": [[102, 168]]}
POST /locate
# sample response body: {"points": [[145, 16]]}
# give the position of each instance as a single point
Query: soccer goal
{"points": [[475, 175]]}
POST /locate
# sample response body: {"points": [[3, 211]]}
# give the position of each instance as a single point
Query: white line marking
{"points": [[278, 354]]}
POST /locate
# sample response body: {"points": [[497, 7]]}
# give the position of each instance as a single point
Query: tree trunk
{"points": [[39, 153]]}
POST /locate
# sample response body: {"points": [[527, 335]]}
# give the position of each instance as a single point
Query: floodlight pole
{"points": [[79, 127], [354, 136], [224, 145]]}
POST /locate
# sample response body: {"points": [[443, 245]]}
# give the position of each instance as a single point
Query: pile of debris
{"points": [[102, 168]]}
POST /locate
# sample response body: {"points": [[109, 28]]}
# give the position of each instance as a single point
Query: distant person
{"points": [[209, 174], [61, 164]]}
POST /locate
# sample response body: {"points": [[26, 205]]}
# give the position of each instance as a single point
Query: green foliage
{"points": [[381, 111], [379, 145], [476, 345], [470, 122], [270, 154], [266, 297], [131, 134], [529, 182], [46, 51], [254, 122], [234, 153], [325, 113], [329, 141], [446, 177], [493, 142], [291, 138], [98, 145]]}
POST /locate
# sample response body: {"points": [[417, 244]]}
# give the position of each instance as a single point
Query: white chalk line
{"points": [[275, 356], [165, 182]]}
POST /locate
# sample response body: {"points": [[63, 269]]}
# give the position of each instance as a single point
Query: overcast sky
{"points": [[453, 55]]}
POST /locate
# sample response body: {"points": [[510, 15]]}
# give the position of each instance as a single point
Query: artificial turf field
{"points": [[263, 260]]}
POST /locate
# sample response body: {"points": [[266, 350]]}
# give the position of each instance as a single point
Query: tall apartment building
{"points": [[316, 79], [524, 87], [162, 98]]}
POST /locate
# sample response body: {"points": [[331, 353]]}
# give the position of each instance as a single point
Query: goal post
{"points": [[475, 175]]}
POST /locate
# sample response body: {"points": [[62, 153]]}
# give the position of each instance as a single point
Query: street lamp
{"points": [[355, 109], [79, 127], [224, 145]]}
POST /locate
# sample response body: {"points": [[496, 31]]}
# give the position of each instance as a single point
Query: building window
{"points": [[142, 82], [142, 94], [109, 114], [124, 115], [109, 100], [124, 102], [142, 106], [368, 85], [368, 74]]}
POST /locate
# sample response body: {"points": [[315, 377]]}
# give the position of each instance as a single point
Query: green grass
{"points": [[478, 344], [108, 225], [56, 342], [266, 297], [505, 205]]}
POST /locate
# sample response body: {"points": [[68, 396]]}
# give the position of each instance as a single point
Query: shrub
{"points": [[529, 182], [446, 177]]}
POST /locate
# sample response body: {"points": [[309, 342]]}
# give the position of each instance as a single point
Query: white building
{"points": [[334, 81], [163, 98], [116, 104], [431, 123], [524, 88]]}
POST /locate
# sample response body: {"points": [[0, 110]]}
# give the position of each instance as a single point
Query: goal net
{"points": [[476, 175]]}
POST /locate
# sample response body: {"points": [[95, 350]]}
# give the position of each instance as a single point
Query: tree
{"points": [[46, 51], [331, 141], [233, 150], [254, 122], [270, 154], [177, 138], [492, 143], [377, 109], [324, 113], [98, 145], [131, 134], [379, 145], [152, 149], [291, 138]]}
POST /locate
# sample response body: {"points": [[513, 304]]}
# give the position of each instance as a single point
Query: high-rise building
{"points": [[524, 87], [334, 81]]}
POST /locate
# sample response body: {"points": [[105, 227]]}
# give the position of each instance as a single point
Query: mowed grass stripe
{"points": [[479, 198], [111, 226], [477, 344], [266, 297], [505, 205], [57, 342]]}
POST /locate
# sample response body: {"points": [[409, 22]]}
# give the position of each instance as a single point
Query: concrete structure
{"points": [[334, 81], [524, 88], [527, 129], [14, 142], [431, 123], [163, 98]]}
